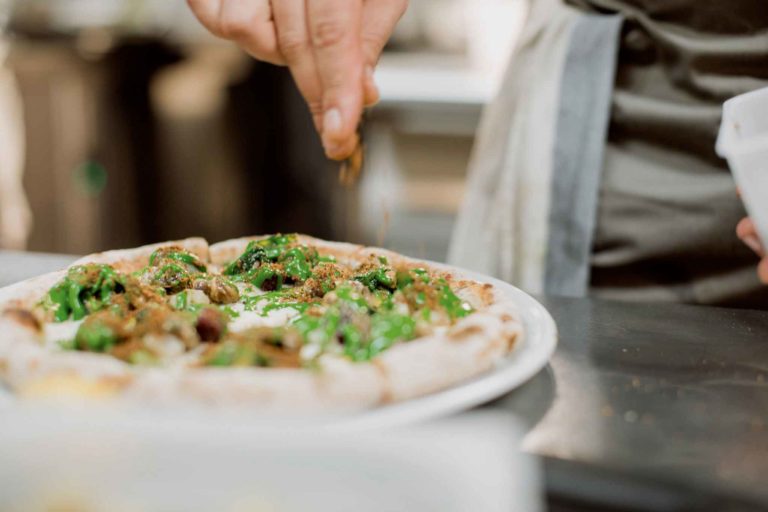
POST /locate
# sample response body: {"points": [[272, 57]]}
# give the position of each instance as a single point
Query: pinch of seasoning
{"points": [[351, 167]]}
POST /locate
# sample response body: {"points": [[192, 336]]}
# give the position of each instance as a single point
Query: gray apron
{"points": [[639, 206], [666, 217]]}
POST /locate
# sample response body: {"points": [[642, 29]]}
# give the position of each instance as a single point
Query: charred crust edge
{"points": [[23, 317]]}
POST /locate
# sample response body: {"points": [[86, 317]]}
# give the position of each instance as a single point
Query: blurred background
{"points": [[122, 122]]}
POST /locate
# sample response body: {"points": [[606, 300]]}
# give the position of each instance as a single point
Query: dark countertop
{"points": [[665, 402], [643, 407]]}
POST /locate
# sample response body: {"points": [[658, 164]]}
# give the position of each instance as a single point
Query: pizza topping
{"points": [[256, 347], [219, 289], [156, 329], [453, 305], [348, 320], [267, 277], [272, 262], [85, 289], [260, 251], [189, 300], [175, 254], [362, 313], [211, 324], [171, 277], [176, 271], [234, 354], [378, 278], [387, 329], [280, 303], [141, 357], [173, 269], [99, 333]]}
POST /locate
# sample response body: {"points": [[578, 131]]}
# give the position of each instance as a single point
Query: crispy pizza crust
{"points": [[473, 345]]}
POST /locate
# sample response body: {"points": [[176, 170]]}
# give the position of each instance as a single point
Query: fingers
{"points": [[379, 20], [334, 27], [746, 231], [296, 48], [207, 12], [371, 94], [762, 270], [331, 47], [745, 228], [246, 22]]}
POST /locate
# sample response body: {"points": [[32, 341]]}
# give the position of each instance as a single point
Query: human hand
{"points": [[746, 231], [330, 46]]}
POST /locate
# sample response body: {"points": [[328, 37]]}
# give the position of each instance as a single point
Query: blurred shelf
{"points": [[432, 79]]}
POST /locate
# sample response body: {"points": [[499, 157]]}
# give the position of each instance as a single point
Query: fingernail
{"points": [[372, 95], [331, 123], [753, 243], [331, 151]]}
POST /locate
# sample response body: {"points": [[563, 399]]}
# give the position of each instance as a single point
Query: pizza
{"points": [[281, 322]]}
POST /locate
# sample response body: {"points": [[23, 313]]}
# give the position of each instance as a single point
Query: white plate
{"points": [[529, 355]]}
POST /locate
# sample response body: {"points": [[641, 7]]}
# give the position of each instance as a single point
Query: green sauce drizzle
{"points": [[260, 275], [95, 337], [298, 263], [181, 256], [377, 278], [298, 306], [85, 289], [453, 305], [231, 313], [274, 259], [231, 354], [258, 252]]}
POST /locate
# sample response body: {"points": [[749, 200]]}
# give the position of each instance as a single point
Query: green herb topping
{"points": [[85, 289]]}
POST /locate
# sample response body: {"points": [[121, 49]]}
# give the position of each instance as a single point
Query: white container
{"points": [[108, 461], [743, 141]]}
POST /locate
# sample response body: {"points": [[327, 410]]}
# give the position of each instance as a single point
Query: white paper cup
{"points": [[743, 141]]}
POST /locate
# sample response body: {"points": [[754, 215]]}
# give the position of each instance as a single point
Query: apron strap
{"points": [[580, 137]]}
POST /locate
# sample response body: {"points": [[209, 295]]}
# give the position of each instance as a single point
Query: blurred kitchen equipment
{"points": [[171, 17], [15, 215], [443, 66], [743, 141], [134, 93]]}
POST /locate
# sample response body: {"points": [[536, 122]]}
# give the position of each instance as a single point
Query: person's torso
{"points": [[668, 208]]}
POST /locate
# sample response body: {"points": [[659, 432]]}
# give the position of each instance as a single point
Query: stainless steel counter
{"points": [[643, 407], [17, 266], [651, 407]]}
